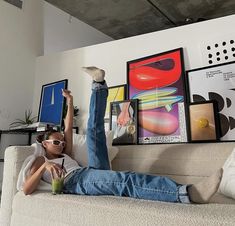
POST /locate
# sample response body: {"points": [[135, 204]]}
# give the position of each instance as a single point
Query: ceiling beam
{"points": [[17, 3], [162, 13]]}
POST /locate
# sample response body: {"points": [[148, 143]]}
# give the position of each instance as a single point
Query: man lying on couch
{"points": [[98, 179]]}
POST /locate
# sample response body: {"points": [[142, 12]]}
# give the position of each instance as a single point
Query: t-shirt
{"points": [[69, 165]]}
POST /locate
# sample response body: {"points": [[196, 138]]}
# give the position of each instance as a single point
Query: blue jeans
{"points": [[98, 179]]}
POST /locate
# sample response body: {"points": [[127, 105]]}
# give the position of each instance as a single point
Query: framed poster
{"points": [[203, 122], [158, 82], [116, 93], [216, 83], [124, 121], [52, 103]]}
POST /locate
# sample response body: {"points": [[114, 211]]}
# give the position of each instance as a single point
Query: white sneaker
{"points": [[97, 74]]}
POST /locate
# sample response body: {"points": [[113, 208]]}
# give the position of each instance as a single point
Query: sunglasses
{"points": [[57, 142]]}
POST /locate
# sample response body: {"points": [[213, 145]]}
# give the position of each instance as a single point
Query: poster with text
{"points": [[157, 81], [216, 83]]}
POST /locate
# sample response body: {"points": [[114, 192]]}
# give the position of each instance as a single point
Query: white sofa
{"points": [[186, 163]]}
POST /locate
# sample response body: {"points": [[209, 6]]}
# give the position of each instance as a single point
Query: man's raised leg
{"points": [[96, 139]]}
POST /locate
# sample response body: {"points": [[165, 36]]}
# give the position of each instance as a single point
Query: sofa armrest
{"points": [[13, 160]]}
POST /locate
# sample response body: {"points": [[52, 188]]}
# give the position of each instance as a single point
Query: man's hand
{"points": [[67, 94], [54, 169]]}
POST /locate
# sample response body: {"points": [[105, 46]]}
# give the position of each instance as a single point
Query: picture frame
{"points": [[52, 103], [158, 82], [116, 93], [124, 122], [203, 123], [216, 83]]}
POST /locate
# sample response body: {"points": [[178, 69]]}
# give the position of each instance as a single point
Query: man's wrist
{"points": [[70, 102]]}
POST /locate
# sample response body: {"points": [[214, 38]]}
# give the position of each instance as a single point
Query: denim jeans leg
{"points": [[89, 181], [96, 139]]}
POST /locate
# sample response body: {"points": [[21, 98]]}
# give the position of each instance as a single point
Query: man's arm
{"points": [[68, 123], [39, 166]]}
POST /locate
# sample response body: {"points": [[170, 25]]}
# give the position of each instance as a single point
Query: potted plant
{"points": [[28, 119]]}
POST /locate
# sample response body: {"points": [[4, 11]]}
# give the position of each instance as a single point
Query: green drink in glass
{"points": [[58, 181], [57, 185]]}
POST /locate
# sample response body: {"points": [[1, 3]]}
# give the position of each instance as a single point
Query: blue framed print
{"points": [[52, 103]]}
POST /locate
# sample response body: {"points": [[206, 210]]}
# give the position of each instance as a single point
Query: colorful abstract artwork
{"points": [[158, 83], [116, 93], [216, 83]]}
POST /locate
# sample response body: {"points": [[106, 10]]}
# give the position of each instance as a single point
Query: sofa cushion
{"points": [[71, 210], [189, 160], [14, 157], [80, 148], [227, 185]]}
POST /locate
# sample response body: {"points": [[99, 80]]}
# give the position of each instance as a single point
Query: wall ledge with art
{"points": [[173, 106], [185, 163]]}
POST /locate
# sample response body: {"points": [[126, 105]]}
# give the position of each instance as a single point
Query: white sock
{"points": [[205, 189], [97, 74]]}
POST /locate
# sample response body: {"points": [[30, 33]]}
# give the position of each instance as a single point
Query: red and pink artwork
{"points": [[158, 82]]}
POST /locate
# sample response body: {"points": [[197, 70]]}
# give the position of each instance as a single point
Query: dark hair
{"points": [[46, 135]]}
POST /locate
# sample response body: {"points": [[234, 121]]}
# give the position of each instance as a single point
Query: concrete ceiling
{"points": [[124, 18]]}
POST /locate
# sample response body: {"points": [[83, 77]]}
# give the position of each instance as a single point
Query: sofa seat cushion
{"points": [[43, 208], [219, 198]]}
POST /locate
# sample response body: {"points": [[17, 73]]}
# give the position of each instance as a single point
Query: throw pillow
{"points": [[80, 148], [227, 185]]}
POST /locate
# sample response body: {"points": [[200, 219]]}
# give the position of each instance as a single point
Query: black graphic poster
{"points": [[216, 83]]}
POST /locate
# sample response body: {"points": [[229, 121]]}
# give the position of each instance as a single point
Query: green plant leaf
{"points": [[28, 119]]}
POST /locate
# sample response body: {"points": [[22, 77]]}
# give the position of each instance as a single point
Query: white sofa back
{"points": [[187, 163]]}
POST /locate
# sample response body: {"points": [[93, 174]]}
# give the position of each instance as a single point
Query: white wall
{"points": [[112, 56], [63, 32], [21, 41]]}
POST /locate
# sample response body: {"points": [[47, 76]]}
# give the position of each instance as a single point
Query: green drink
{"points": [[57, 185]]}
